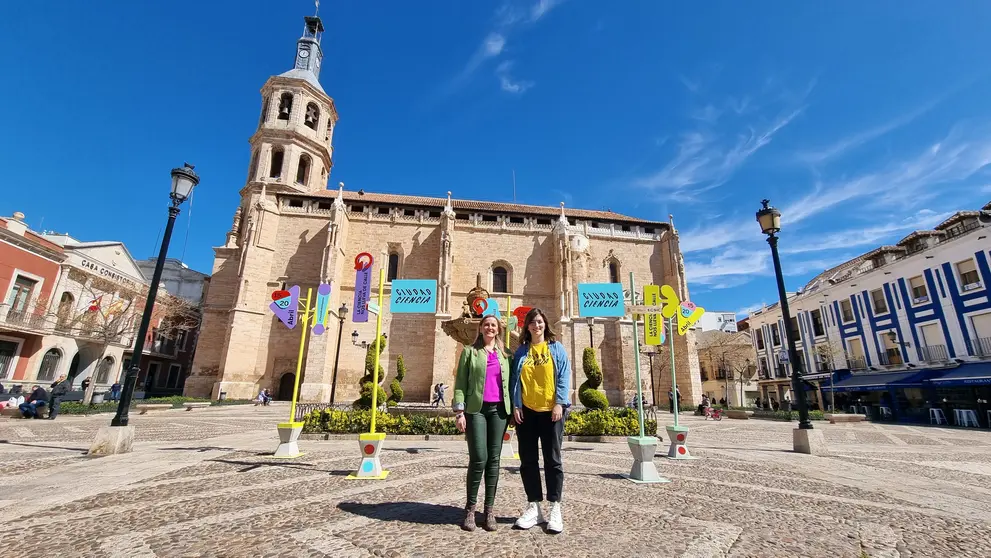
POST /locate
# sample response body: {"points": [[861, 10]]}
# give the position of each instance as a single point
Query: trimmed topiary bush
{"points": [[588, 392], [607, 422], [365, 399], [395, 389]]}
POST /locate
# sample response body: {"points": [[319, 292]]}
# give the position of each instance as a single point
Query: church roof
{"points": [[304, 75], [473, 205]]}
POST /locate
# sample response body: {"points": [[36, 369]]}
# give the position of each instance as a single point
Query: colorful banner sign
{"points": [[601, 300], [413, 296], [653, 332], [284, 306], [323, 310], [362, 287], [520, 314], [688, 314]]}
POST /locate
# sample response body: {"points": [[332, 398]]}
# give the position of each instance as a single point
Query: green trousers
{"points": [[484, 433]]}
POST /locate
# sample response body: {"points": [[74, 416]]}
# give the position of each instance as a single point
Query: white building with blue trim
{"points": [[901, 333]]}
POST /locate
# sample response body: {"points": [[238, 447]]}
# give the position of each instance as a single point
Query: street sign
{"points": [[783, 357], [644, 309], [373, 308]]}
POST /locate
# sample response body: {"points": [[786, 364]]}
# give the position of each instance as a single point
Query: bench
{"points": [[737, 414], [196, 405], [145, 407], [838, 418], [14, 412]]}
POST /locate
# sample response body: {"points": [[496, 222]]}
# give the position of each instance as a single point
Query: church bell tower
{"points": [[292, 149]]}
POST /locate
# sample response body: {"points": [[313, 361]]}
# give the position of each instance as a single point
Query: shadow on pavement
{"points": [[200, 449], [412, 512], [84, 451], [252, 465]]}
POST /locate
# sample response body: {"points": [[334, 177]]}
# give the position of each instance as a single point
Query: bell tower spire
{"points": [[309, 55]]}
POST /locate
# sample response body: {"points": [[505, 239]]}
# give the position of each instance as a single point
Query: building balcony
{"points": [[856, 363], [891, 357], [25, 321], [981, 347], [935, 354]]}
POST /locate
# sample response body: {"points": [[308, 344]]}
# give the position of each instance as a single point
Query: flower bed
{"points": [[609, 422]]}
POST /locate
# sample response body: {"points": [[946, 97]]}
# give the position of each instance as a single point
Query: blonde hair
{"points": [[479, 342]]}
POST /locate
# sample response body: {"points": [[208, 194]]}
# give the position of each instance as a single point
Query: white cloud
{"points": [[730, 265], [707, 237], [853, 141], [903, 183], [541, 8], [508, 19], [870, 236], [746, 310], [705, 159], [506, 81], [493, 45]]}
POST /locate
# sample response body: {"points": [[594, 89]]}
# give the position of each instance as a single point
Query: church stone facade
{"points": [[290, 229]]}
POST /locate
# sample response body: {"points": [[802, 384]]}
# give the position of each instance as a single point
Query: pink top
{"points": [[493, 380]]}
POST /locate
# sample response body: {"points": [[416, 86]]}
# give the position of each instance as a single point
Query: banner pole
{"points": [[299, 359], [378, 350], [636, 356]]}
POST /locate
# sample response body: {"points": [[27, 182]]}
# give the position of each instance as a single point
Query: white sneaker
{"points": [[556, 522], [532, 515]]}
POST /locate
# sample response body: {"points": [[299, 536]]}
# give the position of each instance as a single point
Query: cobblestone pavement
{"points": [[199, 484]]}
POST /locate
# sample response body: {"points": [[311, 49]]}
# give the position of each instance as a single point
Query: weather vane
{"points": [[316, 12]]}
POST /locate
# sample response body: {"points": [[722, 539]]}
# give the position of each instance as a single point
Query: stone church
{"points": [[290, 229]]}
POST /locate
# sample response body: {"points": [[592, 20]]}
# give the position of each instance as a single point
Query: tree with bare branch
{"points": [[107, 313]]}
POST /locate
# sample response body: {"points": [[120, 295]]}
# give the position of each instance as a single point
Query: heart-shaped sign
{"points": [[479, 305], [521, 313], [279, 295], [363, 261], [670, 300]]}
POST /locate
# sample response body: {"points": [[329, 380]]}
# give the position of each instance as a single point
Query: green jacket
{"points": [[470, 381]]}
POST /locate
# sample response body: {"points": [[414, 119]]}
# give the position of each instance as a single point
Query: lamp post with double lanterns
{"points": [[341, 312], [770, 224], [184, 179]]}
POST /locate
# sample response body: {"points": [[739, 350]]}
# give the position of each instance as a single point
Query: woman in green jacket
{"points": [[482, 409]]}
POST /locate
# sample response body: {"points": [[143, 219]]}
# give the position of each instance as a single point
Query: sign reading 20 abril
{"points": [[413, 296]]}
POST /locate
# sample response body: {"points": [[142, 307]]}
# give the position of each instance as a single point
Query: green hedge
{"points": [[358, 421], [177, 401], [786, 415], [610, 422]]}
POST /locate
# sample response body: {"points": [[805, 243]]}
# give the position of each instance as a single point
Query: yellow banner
{"points": [[652, 331]]}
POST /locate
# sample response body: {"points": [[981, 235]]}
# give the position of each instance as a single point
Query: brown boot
{"points": [[490, 519], [469, 522]]}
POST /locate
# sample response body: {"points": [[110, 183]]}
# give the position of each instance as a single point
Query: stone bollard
{"points": [[678, 448], [507, 445], [288, 438], [370, 467]]}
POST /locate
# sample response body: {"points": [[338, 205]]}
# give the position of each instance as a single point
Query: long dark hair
{"points": [[530, 316]]}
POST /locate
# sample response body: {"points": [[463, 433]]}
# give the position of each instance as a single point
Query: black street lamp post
{"points": [[341, 312], [770, 223], [183, 182], [591, 322]]}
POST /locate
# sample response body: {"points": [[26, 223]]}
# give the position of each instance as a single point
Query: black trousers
{"points": [[537, 428], [54, 404]]}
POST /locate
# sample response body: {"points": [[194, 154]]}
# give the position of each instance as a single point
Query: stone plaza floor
{"points": [[199, 484]]}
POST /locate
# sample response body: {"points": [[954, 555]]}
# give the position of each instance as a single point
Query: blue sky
{"points": [[861, 120]]}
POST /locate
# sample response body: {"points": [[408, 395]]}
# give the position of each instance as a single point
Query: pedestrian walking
{"points": [[59, 388], [115, 392], [482, 408], [540, 385]]}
